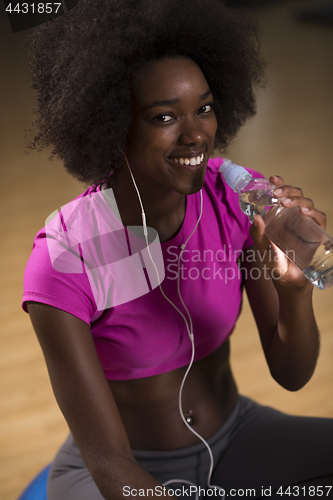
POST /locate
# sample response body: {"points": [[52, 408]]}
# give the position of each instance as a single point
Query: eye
{"points": [[206, 108], [163, 118]]}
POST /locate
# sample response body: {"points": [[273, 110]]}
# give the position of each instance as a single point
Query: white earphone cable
{"points": [[189, 327]]}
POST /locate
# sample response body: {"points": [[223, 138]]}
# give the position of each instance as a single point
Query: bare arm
{"points": [[287, 328], [283, 307], [86, 400]]}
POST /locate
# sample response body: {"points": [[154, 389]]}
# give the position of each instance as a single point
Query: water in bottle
{"points": [[299, 237]]}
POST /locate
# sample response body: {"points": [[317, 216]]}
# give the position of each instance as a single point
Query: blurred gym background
{"points": [[290, 136]]}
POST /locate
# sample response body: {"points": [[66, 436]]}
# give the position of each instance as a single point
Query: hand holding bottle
{"points": [[289, 196], [289, 220]]}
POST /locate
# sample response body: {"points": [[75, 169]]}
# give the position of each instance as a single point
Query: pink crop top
{"points": [[144, 335]]}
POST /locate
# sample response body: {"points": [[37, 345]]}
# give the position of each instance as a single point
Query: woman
{"points": [[135, 96]]}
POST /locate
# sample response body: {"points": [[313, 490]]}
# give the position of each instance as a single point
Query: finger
{"points": [[269, 253], [257, 233], [316, 215], [297, 201], [287, 192], [306, 207], [276, 180], [291, 196]]}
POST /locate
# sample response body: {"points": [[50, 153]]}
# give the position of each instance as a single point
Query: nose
{"points": [[192, 132]]}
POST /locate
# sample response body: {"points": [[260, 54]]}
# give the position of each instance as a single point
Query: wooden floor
{"points": [[291, 136]]}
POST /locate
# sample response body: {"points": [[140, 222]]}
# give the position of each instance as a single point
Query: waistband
{"points": [[224, 430]]}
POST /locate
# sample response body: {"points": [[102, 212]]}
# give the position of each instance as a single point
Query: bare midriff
{"points": [[149, 406]]}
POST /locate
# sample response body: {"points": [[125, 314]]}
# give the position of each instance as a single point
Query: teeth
{"points": [[189, 161]]}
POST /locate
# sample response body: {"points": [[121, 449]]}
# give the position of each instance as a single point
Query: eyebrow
{"points": [[175, 100]]}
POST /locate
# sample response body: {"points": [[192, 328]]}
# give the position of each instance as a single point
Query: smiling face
{"points": [[173, 128]]}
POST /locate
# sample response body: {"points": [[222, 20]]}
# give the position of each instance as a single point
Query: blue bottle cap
{"points": [[235, 175]]}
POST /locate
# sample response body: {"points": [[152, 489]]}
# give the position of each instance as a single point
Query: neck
{"points": [[164, 209]]}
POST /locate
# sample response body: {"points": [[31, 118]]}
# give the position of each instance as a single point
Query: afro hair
{"points": [[84, 65]]}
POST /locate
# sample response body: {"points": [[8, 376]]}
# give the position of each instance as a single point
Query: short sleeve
{"points": [[81, 260], [67, 291]]}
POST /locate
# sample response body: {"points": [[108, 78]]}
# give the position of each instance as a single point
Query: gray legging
{"points": [[256, 452]]}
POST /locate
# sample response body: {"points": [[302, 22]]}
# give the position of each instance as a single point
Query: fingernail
{"points": [[286, 201], [277, 191], [304, 209]]}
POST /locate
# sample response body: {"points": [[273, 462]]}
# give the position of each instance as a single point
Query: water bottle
{"points": [[299, 237]]}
